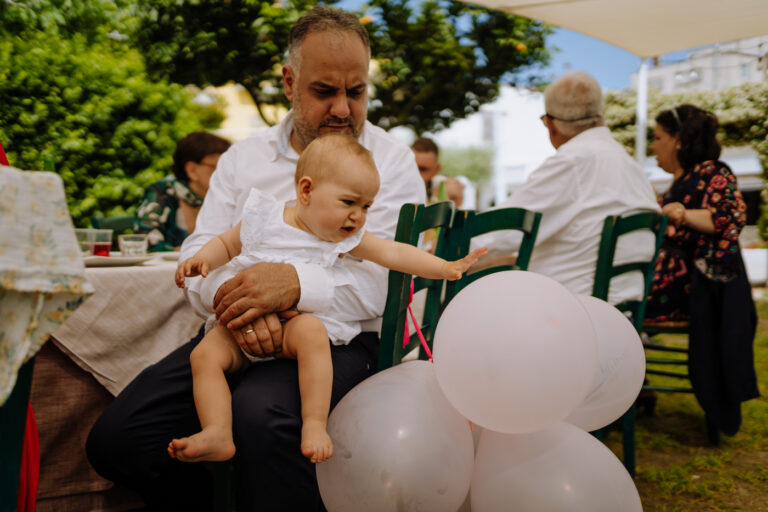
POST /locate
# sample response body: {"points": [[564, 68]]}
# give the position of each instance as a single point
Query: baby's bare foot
{"points": [[212, 443], [316, 444]]}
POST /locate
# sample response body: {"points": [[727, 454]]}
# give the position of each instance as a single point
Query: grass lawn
{"points": [[677, 470]]}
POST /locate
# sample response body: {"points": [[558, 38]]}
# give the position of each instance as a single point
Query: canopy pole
{"points": [[642, 111]]}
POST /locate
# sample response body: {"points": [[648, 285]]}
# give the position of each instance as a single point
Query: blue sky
{"points": [[610, 65]]}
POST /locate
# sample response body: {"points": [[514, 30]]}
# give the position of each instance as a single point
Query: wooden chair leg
{"points": [[628, 439]]}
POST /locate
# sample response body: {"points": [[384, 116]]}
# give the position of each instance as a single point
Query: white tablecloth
{"points": [[136, 316]]}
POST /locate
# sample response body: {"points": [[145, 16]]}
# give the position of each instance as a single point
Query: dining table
{"points": [[134, 318]]}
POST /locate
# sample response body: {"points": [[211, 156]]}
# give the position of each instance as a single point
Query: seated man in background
{"points": [[426, 152], [590, 177], [168, 211]]}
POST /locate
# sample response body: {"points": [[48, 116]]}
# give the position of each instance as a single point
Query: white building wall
{"points": [[511, 127], [713, 68]]}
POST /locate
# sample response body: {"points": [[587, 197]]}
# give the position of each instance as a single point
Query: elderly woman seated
{"points": [[169, 209]]}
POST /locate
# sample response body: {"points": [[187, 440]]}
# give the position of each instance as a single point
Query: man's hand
{"points": [[264, 336], [255, 292]]}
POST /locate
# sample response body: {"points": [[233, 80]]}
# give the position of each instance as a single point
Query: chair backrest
{"points": [[119, 223], [614, 227], [413, 220], [469, 224], [457, 228]]}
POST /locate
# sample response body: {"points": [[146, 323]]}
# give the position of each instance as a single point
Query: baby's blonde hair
{"points": [[319, 160]]}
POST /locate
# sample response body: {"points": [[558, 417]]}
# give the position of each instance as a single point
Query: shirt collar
{"points": [[281, 138]]}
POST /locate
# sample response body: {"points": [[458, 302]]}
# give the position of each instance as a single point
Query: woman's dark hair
{"points": [[193, 148], [698, 134]]}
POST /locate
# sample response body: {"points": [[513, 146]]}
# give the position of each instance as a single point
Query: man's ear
{"points": [[289, 82], [304, 190]]}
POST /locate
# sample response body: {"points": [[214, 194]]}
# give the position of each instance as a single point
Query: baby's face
{"points": [[339, 203]]}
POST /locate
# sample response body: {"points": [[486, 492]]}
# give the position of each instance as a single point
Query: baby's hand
{"points": [[454, 269], [188, 268]]}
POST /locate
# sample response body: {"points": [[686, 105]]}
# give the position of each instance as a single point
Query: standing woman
{"points": [[700, 275], [168, 211]]}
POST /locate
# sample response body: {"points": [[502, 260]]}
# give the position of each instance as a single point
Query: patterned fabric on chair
{"points": [[41, 282]]}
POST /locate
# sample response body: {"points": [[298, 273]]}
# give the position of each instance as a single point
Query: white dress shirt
{"points": [[589, 178], [355, 290]]}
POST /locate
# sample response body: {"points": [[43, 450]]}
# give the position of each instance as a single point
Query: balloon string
{"points": [[406, 334]]}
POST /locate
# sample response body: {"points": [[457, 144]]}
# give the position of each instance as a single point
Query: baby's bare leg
{"points": [[215, 356], [306, 339]]}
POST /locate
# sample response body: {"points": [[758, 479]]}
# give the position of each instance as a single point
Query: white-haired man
{"points": [[590, 177]]}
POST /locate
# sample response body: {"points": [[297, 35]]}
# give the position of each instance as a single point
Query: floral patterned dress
{"points": [[712, 186], [159, 215]]}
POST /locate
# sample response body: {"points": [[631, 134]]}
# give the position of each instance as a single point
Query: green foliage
{"points": [[210, 42], [91, 19], [742, 112], [474, 163], [110, 130], [434, 65], [440, 61]]}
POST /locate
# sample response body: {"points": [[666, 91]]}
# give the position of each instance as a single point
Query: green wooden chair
{"points": [[119, 224], [412, 222], [470, 224], [613, 228], [661, 356], [453, 243]]}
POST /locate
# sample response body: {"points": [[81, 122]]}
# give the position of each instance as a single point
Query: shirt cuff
{"points": [[316, 287], [210, 285]]}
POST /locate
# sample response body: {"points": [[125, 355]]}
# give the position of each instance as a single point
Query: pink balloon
{"points": [[398, 445], [559, 468], [515, 352], [620, 367]]}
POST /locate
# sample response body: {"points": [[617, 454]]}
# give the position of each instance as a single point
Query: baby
{"points": [[336, 182]]}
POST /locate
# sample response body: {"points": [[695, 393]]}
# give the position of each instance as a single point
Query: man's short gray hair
{"points": [[320, 19], [575, 103]]}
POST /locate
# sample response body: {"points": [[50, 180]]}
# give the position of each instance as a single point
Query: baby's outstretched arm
{"points": [[213, 254], [409, 259]]}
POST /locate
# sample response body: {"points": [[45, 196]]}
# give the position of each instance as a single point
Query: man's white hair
{"points": [[575, 103]]}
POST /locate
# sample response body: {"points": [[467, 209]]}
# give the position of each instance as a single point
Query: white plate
{"points": [[114, 260], [170, 256]]}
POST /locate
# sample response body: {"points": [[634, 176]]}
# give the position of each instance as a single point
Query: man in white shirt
{"points": [[326, 80], [589, 178]]}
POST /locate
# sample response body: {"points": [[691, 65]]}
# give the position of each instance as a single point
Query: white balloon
{"points": [[515, 351], [398, 445], [559, 468], [620, 367], [476, 432]]}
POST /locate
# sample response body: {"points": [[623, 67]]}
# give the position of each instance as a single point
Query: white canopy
{"points": [[647, 28]]}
